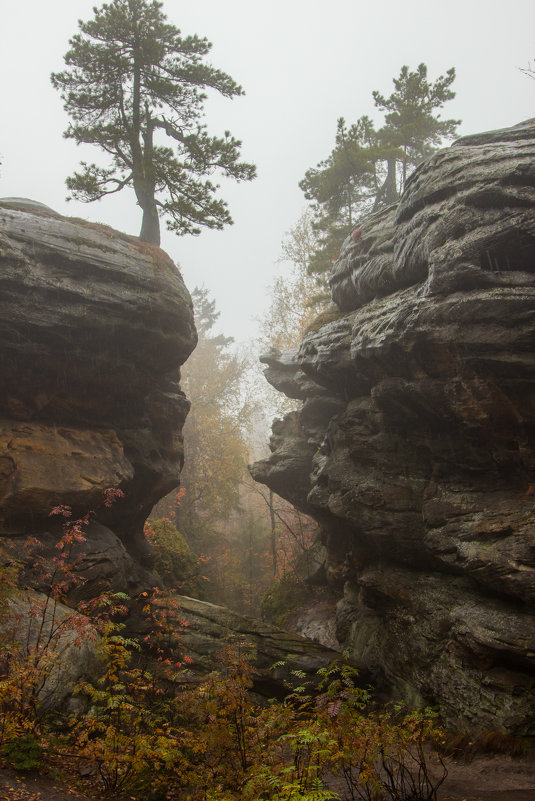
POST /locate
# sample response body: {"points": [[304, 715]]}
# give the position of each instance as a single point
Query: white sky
{"points": [[302, 64]]}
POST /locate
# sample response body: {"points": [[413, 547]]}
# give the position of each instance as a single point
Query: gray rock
{"points": [[289, 464], [424, 470], [431, 637], [317, 622], [98, 564], [26, 204], [58, 641], [274, 653], [94, 326]]}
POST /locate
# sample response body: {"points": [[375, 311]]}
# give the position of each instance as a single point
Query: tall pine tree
{"points": [[132, 76]]}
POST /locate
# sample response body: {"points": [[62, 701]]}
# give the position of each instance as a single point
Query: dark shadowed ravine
{"points": [[414, 448]]}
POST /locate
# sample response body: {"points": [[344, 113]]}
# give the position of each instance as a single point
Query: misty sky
{"points": [[302, 64]]}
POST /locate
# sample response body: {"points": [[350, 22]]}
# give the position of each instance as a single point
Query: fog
{"points": [[302, 66]]}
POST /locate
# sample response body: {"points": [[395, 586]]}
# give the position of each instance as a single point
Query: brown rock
{"points": [[44, 465], [94, 326]]}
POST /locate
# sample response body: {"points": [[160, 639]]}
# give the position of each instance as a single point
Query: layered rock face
{"points": [[94, 326], [415, 447], [276, 655]]}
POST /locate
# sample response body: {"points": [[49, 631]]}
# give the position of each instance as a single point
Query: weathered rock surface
{"points": [[316, 622], [210, 627], [423, 472], [63, 643], [94, 326], [207, 629]]}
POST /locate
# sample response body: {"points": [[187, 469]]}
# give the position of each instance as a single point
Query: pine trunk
{"points": [[390, 188], [388, 193], [150, 225]]}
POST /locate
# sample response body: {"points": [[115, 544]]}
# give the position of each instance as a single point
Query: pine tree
{"points": [[342, 188], [361, 173], [412, 124], [132, 77]]}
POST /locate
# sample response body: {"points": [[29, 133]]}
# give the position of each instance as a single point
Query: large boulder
{"points": [[281, 660], [423, 477], [94, 326]]}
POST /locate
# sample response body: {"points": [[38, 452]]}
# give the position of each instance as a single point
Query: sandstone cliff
{"points": [[94, 326], [415, 446]]}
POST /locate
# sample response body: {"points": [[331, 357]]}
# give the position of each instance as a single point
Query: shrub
{"points": [[24, 752], [213, 741]]}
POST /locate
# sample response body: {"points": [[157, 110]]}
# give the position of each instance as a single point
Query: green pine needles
{"points": [[368, 166], [133, 83]]}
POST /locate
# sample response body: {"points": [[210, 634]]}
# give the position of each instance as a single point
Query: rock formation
{"points": [[415, 446], [275, 654], [94, 326]]}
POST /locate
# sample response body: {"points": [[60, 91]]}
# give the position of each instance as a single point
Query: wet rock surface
{"points": [[274, 653], [423, 475], [94, 326]]}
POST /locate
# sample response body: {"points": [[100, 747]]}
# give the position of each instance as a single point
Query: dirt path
{"points": [[486, 778], [22, 787], [490, 778]]}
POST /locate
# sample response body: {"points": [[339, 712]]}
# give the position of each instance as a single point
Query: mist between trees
{"points": [[244, 537], [239, 537], [136, 88]]}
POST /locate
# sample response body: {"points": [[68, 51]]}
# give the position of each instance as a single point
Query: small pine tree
{"points": [[342, 188], [361, 173], [412, 124]]}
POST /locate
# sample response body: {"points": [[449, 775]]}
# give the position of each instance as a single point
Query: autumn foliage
{"points": [[140, 725]]}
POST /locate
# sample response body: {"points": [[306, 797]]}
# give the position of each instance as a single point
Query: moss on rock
{"points": [[281, 600], [176, 564]]}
